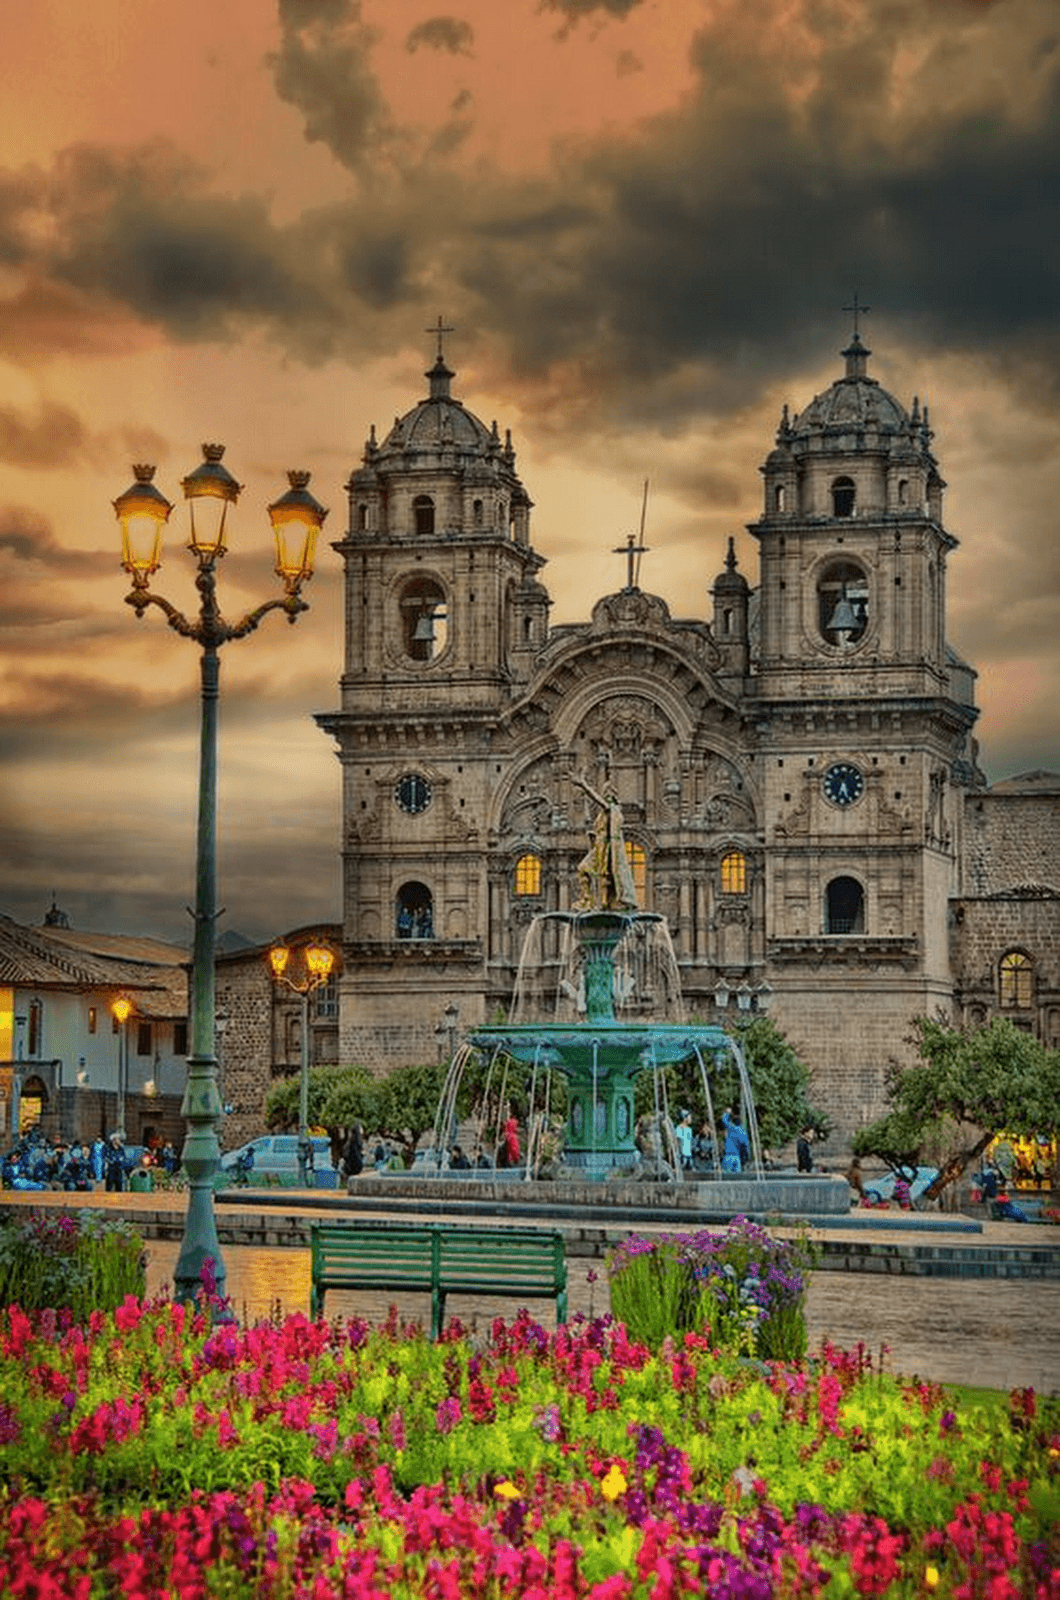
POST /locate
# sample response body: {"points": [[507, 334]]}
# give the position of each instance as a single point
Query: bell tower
{"points": [[444, 615], [865, 714]]}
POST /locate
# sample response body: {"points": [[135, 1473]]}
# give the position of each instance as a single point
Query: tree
{"points": [[780, 1086], [338, 1097], [965, 1089]]}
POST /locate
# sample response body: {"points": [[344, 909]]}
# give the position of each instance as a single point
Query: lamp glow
{"points": [[211, 489], [143, 512], [296, 517]]}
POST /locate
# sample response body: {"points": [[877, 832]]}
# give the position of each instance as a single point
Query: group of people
{"points": [[36, 1163]]}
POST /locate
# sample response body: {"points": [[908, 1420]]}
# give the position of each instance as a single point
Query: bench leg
{"points": [[437, 1312], [561, 1307], [316, 1302]]}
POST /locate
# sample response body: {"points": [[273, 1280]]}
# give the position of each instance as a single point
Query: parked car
{"points": [[275, 1155], [882, 1188]]}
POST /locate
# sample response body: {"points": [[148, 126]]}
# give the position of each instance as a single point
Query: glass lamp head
{"points": [[319, 960], [121, 1009], [142, 512], [279, 956], [211, 489], [297, 517]]}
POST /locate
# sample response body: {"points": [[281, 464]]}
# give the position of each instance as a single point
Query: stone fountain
{"points": [[567, 1027]]}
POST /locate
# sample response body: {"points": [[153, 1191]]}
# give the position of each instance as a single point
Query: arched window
{"points": [[1016, 979], [528, 875], [638, 865], [844, 906], [778, 497], [424, 620], [362, 516], [423, 513], [903, 491], [843, 494], [842, 603], [415, 912], [734, 873], [476, 513]]}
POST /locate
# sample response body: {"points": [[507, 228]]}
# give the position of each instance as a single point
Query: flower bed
{"points": [[151, 1453], [743, 1288]]}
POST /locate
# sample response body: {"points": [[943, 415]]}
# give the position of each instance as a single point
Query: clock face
{"points": [[413, 793], [843, 784]]}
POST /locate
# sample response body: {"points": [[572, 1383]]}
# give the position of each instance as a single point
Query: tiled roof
{"points": [[59, 958]]}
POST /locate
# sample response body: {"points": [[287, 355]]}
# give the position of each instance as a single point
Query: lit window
{"points": [[1017, 979], [93, 1018], [528, 875], [734, 873], [638, 865]]}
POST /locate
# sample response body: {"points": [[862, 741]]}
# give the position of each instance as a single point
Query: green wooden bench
{"points": [[439, 1260]]}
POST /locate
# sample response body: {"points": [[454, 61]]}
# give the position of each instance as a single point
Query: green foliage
{"points": [[780, 1084], [407, 1104], [338, 1097], [743, 1288], [965, 1088], [83, 1261]]}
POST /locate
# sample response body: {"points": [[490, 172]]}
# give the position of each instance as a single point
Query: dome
{"points": [[438, 425], [855, 404]]}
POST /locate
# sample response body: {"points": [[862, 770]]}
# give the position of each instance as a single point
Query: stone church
{"points": [[795, 764]]}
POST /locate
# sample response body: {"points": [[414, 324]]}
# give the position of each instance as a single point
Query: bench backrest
{"points": [[466, 1255]]}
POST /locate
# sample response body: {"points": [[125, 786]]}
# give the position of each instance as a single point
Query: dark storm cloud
{"points": [[55, 437], [665, 275], [25, 536], [574, 10], [324, 67], [442, 33]]}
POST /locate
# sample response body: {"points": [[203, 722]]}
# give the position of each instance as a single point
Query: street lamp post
{"points": [[314, 965], [122, 1011], [143, 512]]}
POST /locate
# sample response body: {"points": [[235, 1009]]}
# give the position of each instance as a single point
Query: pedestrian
{"points": [[683, 1136], [856, 1182], [77, 1173], [458, 1160], [114, 1165], [354, 1153], [737, 1147], [99, 1150], [804, 1150], [508, 1149]]}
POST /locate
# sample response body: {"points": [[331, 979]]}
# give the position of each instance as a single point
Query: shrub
{"points": [[80, 1262], [743, 1287]]}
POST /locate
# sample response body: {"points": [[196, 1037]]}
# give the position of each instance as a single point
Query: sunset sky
{"points": [[643, 219]]}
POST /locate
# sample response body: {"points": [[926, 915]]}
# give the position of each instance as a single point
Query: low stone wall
{"points": [[776, 1194]]}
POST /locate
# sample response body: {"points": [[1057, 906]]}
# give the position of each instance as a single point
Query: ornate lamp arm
{"points": [[141, 597]]}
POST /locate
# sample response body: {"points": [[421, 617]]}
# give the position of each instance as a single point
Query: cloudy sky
{"points": [[643, 218]]}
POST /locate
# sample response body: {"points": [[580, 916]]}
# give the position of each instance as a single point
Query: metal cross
{"points": [[441, 329], [858, 310], [629, 550]]}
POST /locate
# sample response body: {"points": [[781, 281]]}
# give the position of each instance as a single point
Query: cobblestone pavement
{"points": [[1002, 1333]]}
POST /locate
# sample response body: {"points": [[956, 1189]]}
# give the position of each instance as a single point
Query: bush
{"points": [[744, 1288], [82, 1262]]}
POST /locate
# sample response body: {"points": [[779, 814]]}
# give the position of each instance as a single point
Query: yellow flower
{"points": [[506, 1489], [931, 1577], [613, 1484]]}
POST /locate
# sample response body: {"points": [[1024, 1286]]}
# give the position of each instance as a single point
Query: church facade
{"points": [[795, 766]]}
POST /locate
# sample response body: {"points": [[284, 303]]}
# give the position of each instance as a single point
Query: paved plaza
{"points": [[1001, 1333]]}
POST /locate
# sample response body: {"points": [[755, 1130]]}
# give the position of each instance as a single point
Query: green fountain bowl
{"points": [[622, 1049]]}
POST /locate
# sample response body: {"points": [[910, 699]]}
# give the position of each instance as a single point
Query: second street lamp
{"points": [[313, 966], [122, 1009], [296, 519]]}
